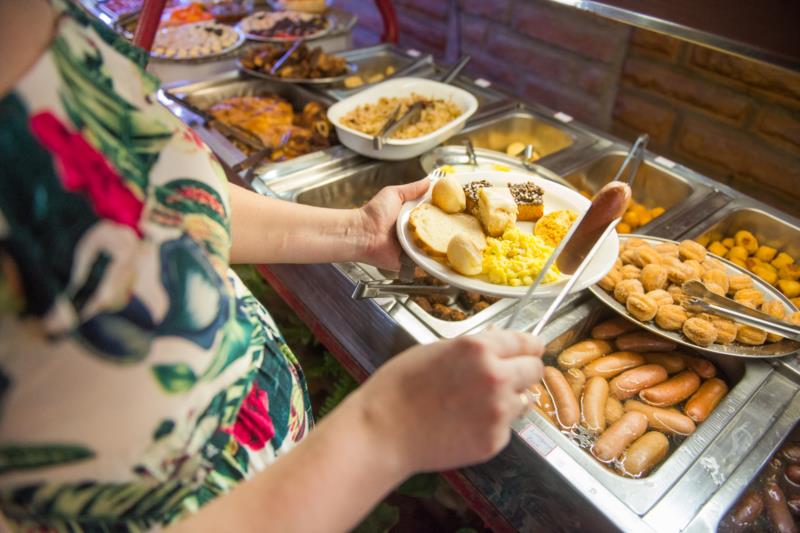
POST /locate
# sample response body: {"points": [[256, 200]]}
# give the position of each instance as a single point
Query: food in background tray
{"points": [[467, 303], [305, 62], [273, 121], [647, 280], [635, 216], [627, 397], [772, 500], [188, 14], [370, 118], [194, 41], [284, 25], [357, 80], [768, 263], [516, 149], [473, 229], [229, 12]]}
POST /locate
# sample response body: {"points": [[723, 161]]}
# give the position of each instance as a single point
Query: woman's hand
{"points": [[451, 403], [378, 218]]}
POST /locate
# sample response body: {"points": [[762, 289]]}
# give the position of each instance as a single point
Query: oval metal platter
{"points": [[776, 349], [244, 23], [240, 38]]}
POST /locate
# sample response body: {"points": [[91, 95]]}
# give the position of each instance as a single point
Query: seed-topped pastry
{"points": [[530, 200], [471, 192]]}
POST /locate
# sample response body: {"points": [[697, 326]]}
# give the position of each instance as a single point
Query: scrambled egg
{"points": [[516, 259]]}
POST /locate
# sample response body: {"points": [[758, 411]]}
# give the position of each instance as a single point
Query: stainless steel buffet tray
{"points": [[189, 101], [707, 457], [488, 99], [551, 138]]}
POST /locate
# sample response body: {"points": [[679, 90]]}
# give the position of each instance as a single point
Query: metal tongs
{"points": [[391, 287], [631, 165], [279, 63], [701, 300]]}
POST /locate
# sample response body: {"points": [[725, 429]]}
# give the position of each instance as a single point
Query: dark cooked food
{"points": [[468, 303], [304, 63], [530, 200], [284, 25], [273, 121]]}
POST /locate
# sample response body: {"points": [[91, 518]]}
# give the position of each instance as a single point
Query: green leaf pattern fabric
{"points": [[139, 379]]}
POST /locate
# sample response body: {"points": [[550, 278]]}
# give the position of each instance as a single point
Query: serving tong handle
{"points": [[633, 159], [285, 57], [704, 301], [394, 123], [456, 69], [378, 289]]}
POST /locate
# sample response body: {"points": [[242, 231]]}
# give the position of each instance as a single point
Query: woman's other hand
{"points": [[451, 403], [378, 218]]}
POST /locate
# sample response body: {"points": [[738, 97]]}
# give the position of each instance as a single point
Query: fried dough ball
{"points": [[794, 318], [751, 336], [715, 288], [746, 240], [678, 296], [726, 329], [717, 248], [713, 264], [642, 307], [628, 256], [697, 267], [631, 272], [775, 309], [781, 260], [667, 248], [653, 277], [691, 250], [618, 263], [646, 255], [625, 288], [635, 242], [680, 274], [750, 297], [737, 252], [718, 277], [737, 282], [766, 272], [610, 280], [671, 317], [700, 331], [661, 297], [766, 253]]}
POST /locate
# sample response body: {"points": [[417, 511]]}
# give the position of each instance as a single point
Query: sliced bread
{"points": [[433, 228]]}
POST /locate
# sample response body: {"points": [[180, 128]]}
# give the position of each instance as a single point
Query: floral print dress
{"points": [[139, 379]]}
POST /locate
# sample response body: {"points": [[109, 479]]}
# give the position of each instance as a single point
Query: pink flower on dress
{"points": [[84, 169], [253, 427]]}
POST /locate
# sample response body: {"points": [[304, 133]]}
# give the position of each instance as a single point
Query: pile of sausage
{"points": [[627, 390], [776, 490]]}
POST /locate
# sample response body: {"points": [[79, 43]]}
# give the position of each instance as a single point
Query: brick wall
{"points": [[731, 119]]}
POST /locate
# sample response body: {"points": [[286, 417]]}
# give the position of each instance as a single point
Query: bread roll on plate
{"points": [[433, 229]]}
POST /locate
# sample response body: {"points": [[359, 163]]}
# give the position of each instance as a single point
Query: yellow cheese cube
{"points": [[783, 259], [737, 252], [766, 253], [791, 272], [789, 288]]}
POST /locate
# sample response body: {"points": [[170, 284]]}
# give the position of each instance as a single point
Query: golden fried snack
{"points": [[610, 280], [696, 267], [625, 288], [691, 250], [713, 264], [661, 297], [627, 256], [719, 277], [766, 272], [746, 240], [715, 288], [678, 296], [775, 309], [766, 253], [671, 317], [653, 277], [635, 242], [631, 272], [751, 336], [717, 248], [680, 274], [794, 318], [781, 260], [618, 263], [645, 255], [750, 297], [642, 307], [700, 331], [737, 252], [667, 248], [789, 272], [789, 288], [726, 329], [737, 282]]}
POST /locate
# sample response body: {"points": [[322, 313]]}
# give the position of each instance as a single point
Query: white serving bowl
{"points": [[397, 149]]}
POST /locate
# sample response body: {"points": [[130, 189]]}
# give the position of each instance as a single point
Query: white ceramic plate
{"points": [[774, 349], [556, 198], [397, 149]]}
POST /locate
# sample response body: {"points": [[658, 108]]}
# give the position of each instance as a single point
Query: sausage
{"points": [[645, 453], [612, 364], [747, 509], [542, 403], [608, 204], [791, 451], [642, 341], [669, 421], [576, 380], [703, 367], [611, 329], [611, 443], [672, 362], [582, 353], [566, 404], [614, 410], [632, 381], [702, 402], [792, 473], [593, 404], [777, 509], [674, 390]]}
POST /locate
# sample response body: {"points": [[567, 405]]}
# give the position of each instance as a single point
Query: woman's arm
{"points": [[434, 407], [266, 230]]}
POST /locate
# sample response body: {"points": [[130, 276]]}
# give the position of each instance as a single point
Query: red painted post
{"points": [[148, 23], [389, 16]]}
